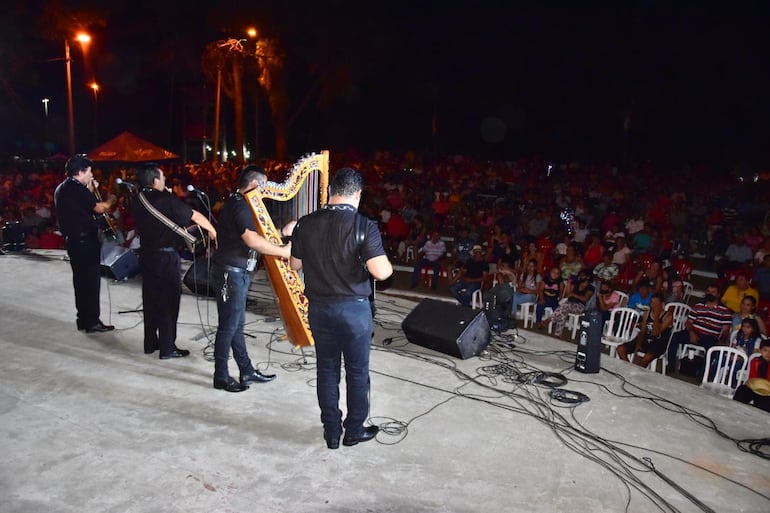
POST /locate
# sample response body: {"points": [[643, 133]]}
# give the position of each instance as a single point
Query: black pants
{"points": [[161, 292], [746, 395], [85, 260]]}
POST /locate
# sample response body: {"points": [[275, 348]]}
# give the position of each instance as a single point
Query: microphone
{"points": [[191, 188], [120, 181]]}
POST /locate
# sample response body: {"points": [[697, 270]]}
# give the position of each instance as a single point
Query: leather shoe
{"points": [[229, 385], [176, 353], [369, 433], [332, 441], [99, 327], [256, 377]]}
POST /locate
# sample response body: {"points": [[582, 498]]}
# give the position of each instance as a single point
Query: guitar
{"points": [[198, 241], [108, 232]]}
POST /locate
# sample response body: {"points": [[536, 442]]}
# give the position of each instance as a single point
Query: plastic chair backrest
{"points": [[722, 364], [623, 298], [687, 289], [680, 311], [622, 323]]}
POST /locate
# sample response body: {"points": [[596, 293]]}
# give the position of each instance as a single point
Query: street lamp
{"points": [[83, 39], [45, 106], [95, 88]]}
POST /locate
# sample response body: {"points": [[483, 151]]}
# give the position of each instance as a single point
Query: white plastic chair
{"points": [[623, 298], [687, 288], [573, 323], [527, 313], [620, 328], [727, 363], [477, 299], [743, 374]]}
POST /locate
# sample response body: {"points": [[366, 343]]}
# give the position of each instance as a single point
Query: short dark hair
{"points": [[147, 174], [346, 182], [658, 295], [76, 164], [249, 173], [764, 343]]}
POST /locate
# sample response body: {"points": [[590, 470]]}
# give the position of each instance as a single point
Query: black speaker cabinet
{"points": [[589, 351], [450, 329], [118, 262], [198, 278]]}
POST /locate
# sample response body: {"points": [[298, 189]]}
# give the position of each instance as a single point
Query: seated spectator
{"points": [[526, 290], [607, 299], [756, 390], [549, 291], [463, 247], [472, 275], [748, 311], [761, 280], [762, 252], [737, 291], [738, 255], [673, 288], [435, 252], [747, 338], [654, 334], [606, 270], [707, 324], [592, 254], [653, 275], [641, 242], [622, 252], [575, 303], [640, 300], [571, 264]]}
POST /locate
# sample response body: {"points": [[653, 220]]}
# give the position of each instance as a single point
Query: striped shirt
{"points": [[710, 320], [435, 250]]}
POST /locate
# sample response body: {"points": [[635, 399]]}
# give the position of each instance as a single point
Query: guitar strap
{"points": [[188, 238]]}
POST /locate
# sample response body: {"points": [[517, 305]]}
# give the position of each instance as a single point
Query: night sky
{"points": [[666, 81]]}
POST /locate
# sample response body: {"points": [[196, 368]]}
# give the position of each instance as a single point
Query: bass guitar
{"points": [[108, 232]]}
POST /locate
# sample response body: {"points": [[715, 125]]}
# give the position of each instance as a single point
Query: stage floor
{"points": [[90, 423]]}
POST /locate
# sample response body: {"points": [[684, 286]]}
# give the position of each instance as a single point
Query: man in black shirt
{"points": [[75, 208], [159, 259], [234, 260], [325, 244], [472, 275]]}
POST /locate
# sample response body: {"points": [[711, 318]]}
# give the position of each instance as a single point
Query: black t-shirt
{"points": [[326, 243], [475, 268], [234, 219], [152, 232], [75, 210]]}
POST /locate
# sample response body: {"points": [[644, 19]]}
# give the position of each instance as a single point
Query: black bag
{"points": [[692, 367], [498, 302]]}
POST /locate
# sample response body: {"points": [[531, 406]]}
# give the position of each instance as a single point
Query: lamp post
{"points": [[83, 38], [45, 106], [95, 88]]}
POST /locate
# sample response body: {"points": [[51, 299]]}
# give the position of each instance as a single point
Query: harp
{"points": [[306, 188]]}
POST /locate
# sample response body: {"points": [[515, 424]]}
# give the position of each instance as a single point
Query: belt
{"points": [[230, 268]]}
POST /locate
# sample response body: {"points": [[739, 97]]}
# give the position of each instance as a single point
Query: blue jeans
{"points": [[342, 329], [519, 298], [463, 292], [232, 289]]}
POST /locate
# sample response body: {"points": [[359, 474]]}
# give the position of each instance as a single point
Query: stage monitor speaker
{"points": [[448, 328], [197, 278], [118, 262], [589, 351]]}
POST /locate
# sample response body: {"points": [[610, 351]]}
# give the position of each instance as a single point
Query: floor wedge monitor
{"points": [[447, 328]]}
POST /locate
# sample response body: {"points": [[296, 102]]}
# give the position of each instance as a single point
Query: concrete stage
{"points": [[91, 424]]}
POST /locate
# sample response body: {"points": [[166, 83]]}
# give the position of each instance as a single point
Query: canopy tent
{"points": [[129, 148]]}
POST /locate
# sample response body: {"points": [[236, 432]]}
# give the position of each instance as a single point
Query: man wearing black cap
{"points": [[159, 258], [234, 260], [76, 206]]}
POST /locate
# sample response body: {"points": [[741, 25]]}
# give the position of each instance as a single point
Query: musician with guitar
{"points": [[76, 206], [238, 247], [158, 215], [337, 265]]}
